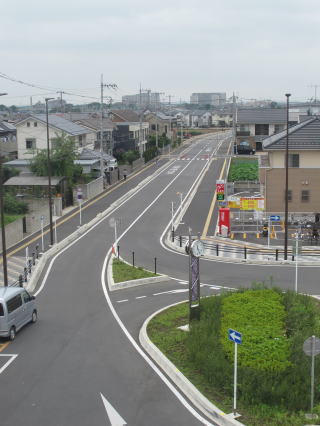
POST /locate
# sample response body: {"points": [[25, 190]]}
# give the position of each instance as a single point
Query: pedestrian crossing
{"points": [[205, 158], [15, 267]]}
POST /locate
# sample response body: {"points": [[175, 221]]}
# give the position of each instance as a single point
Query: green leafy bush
{"points": [[13, 206], [240, 171]]}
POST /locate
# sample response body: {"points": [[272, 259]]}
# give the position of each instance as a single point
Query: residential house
{"points": [[132, 130], [94, 138], [166, 124], [254, 125], [32, 133], [8, 139], [221, 119], [303, 172]]}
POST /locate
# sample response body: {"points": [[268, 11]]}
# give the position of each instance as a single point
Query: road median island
{"points": [[273, 371], [121, 274]]}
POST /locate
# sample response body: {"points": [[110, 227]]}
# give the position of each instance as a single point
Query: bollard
{"points": [[155, 266], [292, 257], [217, 250], [245, 252], [37, 251], [20, 279], [29, 265], [172, 235], [33, 258], [133, 258], [25, 274], [118, 251], [277, 254], [180, 240]]}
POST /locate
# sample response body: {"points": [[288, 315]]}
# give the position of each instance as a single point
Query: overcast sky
{"points": [[257, 48]]}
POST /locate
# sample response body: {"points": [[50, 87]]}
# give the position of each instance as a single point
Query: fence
{"points": [[248, 253]]}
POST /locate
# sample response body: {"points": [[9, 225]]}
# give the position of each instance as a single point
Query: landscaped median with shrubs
{"points": [[273, 371]]}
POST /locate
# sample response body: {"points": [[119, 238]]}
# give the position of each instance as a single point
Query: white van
{"points": [[17, 308]]}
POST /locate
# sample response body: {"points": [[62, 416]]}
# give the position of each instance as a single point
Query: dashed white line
{"points": [[140, 297], [121, 301]]}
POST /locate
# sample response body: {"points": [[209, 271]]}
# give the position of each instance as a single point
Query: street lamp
{"points": [[286, 185], [49, 174], [3, 232]]}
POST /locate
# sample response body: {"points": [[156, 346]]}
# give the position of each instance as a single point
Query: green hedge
{"points": [[273, 370], [259, 316], [243, 170]]}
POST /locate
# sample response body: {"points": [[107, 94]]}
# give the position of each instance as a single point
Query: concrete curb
{"points": [[192, 393], [178, 249], [132, 283]]}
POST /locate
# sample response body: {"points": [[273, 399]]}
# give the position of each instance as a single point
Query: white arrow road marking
{"points": [[114, 416], [179, 290], [12, 358]]}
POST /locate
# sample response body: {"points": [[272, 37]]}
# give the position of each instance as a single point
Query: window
{"points": [[305, 196], [262, 129], [153, 127], [1, 310], [14, 303], [28, 124], [293, 160], [26, 297], [30, 143], [35, 124], [278, 128], [80, 140]]}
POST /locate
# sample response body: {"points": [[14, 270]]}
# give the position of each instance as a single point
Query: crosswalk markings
{"points": [[15, 267]]}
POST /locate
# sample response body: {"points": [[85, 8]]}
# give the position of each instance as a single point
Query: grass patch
{"points": [[243, 169], [10, 218], [124, 272], [273, 381]]}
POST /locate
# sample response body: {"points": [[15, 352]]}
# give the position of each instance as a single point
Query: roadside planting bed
{"points": [[273, 371]]}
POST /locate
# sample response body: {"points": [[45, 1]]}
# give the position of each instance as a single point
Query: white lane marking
{"points": [[141, 352], [121, 301], [180, 290], [183, 282], [114, 417], [140, 297], [12, 358]]}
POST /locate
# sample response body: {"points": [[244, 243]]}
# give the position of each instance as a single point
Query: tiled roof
{"points": [[126, 115], [305, 135], [95, 123], [60, 123], [262, 116], [6, 127]]}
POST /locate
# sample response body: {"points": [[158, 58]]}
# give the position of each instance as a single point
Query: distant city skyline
{"points": [[259, 50]]}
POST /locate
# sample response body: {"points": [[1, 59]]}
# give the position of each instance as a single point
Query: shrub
{"points": [[13, 206]]}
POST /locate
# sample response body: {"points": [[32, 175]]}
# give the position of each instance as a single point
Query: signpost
{"points": [[311, 347], [42, 243], [275, 218], [296, 250], [113, 224], [236, 338], [79, 198], [220, 189]]}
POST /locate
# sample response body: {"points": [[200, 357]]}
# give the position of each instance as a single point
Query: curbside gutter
{"points": [[193, 394], [132, 283]]}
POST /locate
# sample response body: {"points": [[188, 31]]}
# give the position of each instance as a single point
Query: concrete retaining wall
{"points": [[14, 233]]}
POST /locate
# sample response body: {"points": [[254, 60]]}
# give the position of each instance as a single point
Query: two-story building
{"points": [[32, 133], [131, 132], [254, 125], [8, 139], [166, 124], [303, 172]]}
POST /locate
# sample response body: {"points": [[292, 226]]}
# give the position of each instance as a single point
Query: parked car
{"points": [[17, 308], [244, 147]]}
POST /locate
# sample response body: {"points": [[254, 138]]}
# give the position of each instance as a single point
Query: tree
{"points": [[63, 154]]}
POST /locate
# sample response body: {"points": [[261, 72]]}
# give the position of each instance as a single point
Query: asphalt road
{"points": [[84, 345], [77, 356]]}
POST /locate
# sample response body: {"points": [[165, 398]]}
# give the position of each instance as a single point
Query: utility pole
{"points": [[156, 112], [140, 132], [234, 124], [102, 86], [286, 204], [170, 125], [61, 103], [315, 91]]}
